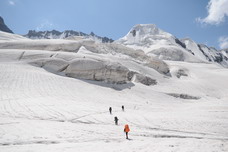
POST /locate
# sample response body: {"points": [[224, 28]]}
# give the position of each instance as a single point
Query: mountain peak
{"points": [[142, 30], [3, 26], [156, 42], [143, 36], [187, 39]]}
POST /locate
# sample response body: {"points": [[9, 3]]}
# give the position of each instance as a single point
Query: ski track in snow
{"points": [[41, 111]]}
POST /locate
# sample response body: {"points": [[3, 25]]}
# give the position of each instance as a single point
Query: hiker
{"points": [[126, 130], [116, 120], [122, 107], [110, 110]]}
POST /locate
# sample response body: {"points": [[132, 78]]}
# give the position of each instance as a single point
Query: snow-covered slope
{"points": [[42, 109], [154, 41], [225, 52], [11, 37], [194, 47], [205, 53]]}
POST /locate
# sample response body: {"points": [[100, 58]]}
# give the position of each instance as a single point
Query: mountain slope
{"points": [[206, 53], [54, 34], [155, 42], [10, 37], [3, 26]]}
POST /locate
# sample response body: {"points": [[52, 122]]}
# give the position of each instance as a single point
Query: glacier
{"points": [[55, 94]]}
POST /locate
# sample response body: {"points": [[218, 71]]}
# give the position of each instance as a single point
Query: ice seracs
{"points": [[85, 59], [91, 69]]}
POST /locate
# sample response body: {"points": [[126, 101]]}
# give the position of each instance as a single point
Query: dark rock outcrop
{"points": [[180, 73], [180, 43], [145, 80], [137, 77], [183, 96], [3, 26]]}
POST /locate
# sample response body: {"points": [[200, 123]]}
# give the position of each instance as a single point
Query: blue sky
{"points": [[204, 21]]}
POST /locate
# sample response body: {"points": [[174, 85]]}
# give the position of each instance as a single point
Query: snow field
{"points": [[43, 111]]}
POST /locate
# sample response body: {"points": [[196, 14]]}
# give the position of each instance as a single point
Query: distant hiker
{"points": [[122, 107], [116, 120], [110, 110], [126, 130]]}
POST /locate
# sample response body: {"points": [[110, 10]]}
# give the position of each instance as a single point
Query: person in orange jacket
{"points": [[126, 130]]}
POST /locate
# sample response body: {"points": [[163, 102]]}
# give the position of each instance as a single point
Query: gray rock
{"points": [[130, 75], [144, 79], [180, 73], [183, 96]]}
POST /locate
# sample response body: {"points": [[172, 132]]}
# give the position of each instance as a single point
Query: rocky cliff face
{"points": [[3, 26]]}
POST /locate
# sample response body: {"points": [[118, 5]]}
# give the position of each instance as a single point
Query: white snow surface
{"points": [[41, 109], [193, 46], [9, 36]]}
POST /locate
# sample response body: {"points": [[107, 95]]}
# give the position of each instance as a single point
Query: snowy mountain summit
{"points": [[143, 36], [156, 42]]}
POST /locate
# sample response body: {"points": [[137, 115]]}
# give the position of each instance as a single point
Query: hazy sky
{"points": [[205, 21]]}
